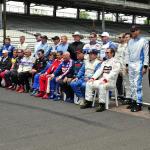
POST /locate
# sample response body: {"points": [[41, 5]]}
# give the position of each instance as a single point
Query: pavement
{"points": [[29, 123]]}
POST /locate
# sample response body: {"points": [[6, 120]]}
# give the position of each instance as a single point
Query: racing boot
{"points": [[101, 107], [87, 104]]}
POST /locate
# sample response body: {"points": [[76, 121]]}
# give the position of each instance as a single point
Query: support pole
{"points": [[55, 11], [103, 20], [4, 20]]}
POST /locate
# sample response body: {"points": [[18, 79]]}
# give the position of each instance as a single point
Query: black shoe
{"points": [[149, 108], [136, 107], [87, 104], [101, 107]]}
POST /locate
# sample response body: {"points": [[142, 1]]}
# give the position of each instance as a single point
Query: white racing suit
{"points": [[120, 56], [108, 71], [137, 58]]}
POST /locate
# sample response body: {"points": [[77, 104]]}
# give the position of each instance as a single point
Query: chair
{"points": [[107, 97]]}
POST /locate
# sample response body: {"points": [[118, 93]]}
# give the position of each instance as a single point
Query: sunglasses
{"points": [[107, 52]]}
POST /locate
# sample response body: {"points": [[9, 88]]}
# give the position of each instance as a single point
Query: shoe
{"points": [[18, 88], [57, 98], [46, 96], [52, 97], [21, 90], [87, 104], [34, 92], [41, 94], [69, 100], [136, 107], [101, 107], [149, 108], [10, 87], [13, 88]]}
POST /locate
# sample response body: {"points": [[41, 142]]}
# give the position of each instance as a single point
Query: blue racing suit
{"points": [[137, 58]]}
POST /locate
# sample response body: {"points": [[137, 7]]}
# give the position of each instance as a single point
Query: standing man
{"points": [[22, 44], [106, 43], [37, 43], [137, 64], [76, 45]]}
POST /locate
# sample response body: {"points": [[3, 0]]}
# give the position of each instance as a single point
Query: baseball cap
{"points": [[93, 51], [55, 38], [76, 33], [5, 51], [105, 34], [44, 37], [37, 34], [79, 51], [134, 28]]}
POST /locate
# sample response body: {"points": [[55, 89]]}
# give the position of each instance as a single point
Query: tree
{"points": [[84, 15]]}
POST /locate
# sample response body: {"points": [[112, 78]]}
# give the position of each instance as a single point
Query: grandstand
{"points": [[27, 24]]}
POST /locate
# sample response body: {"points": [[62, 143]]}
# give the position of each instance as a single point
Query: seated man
{"points": [[12, 75], [84, 74], [8, 73], [24, 72], [103, 79], [36, 85], [5, 65], [63, 75], [44, 79]]}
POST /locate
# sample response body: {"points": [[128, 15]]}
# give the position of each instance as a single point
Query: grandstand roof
{"points": [[120, 6]]}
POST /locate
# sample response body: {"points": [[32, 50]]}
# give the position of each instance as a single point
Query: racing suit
{"points": [[86, 72], [89, 47], [137, 58], [120, 56], [104, 79]]}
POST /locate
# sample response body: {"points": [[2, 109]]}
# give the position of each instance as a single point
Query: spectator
{"points": [[103, 78], [37, 43], [24, 70], [106, 43], [137, 64], [7, 46], [5, 65], [36, 85], [84, 74], [77, 44], [22, 44], [12, 76]]}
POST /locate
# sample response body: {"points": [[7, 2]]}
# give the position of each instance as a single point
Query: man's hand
{"points": [[91, 80], [58, 78], [75, 79], [144, 71]]}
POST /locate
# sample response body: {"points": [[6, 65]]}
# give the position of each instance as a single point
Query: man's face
{"points": [[40, 55], [109, 54], [92, 56], [127, 38], [63, 40], [5, 54], [66, 57], [56, 41], [15, 54], [27, 53], [121, 39], [58, 56], [92, 38], [80, 56], [104, 38], [76, 38], [135, 33], [20, 53], [22, 39], [38, 38], [7, 41]]}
